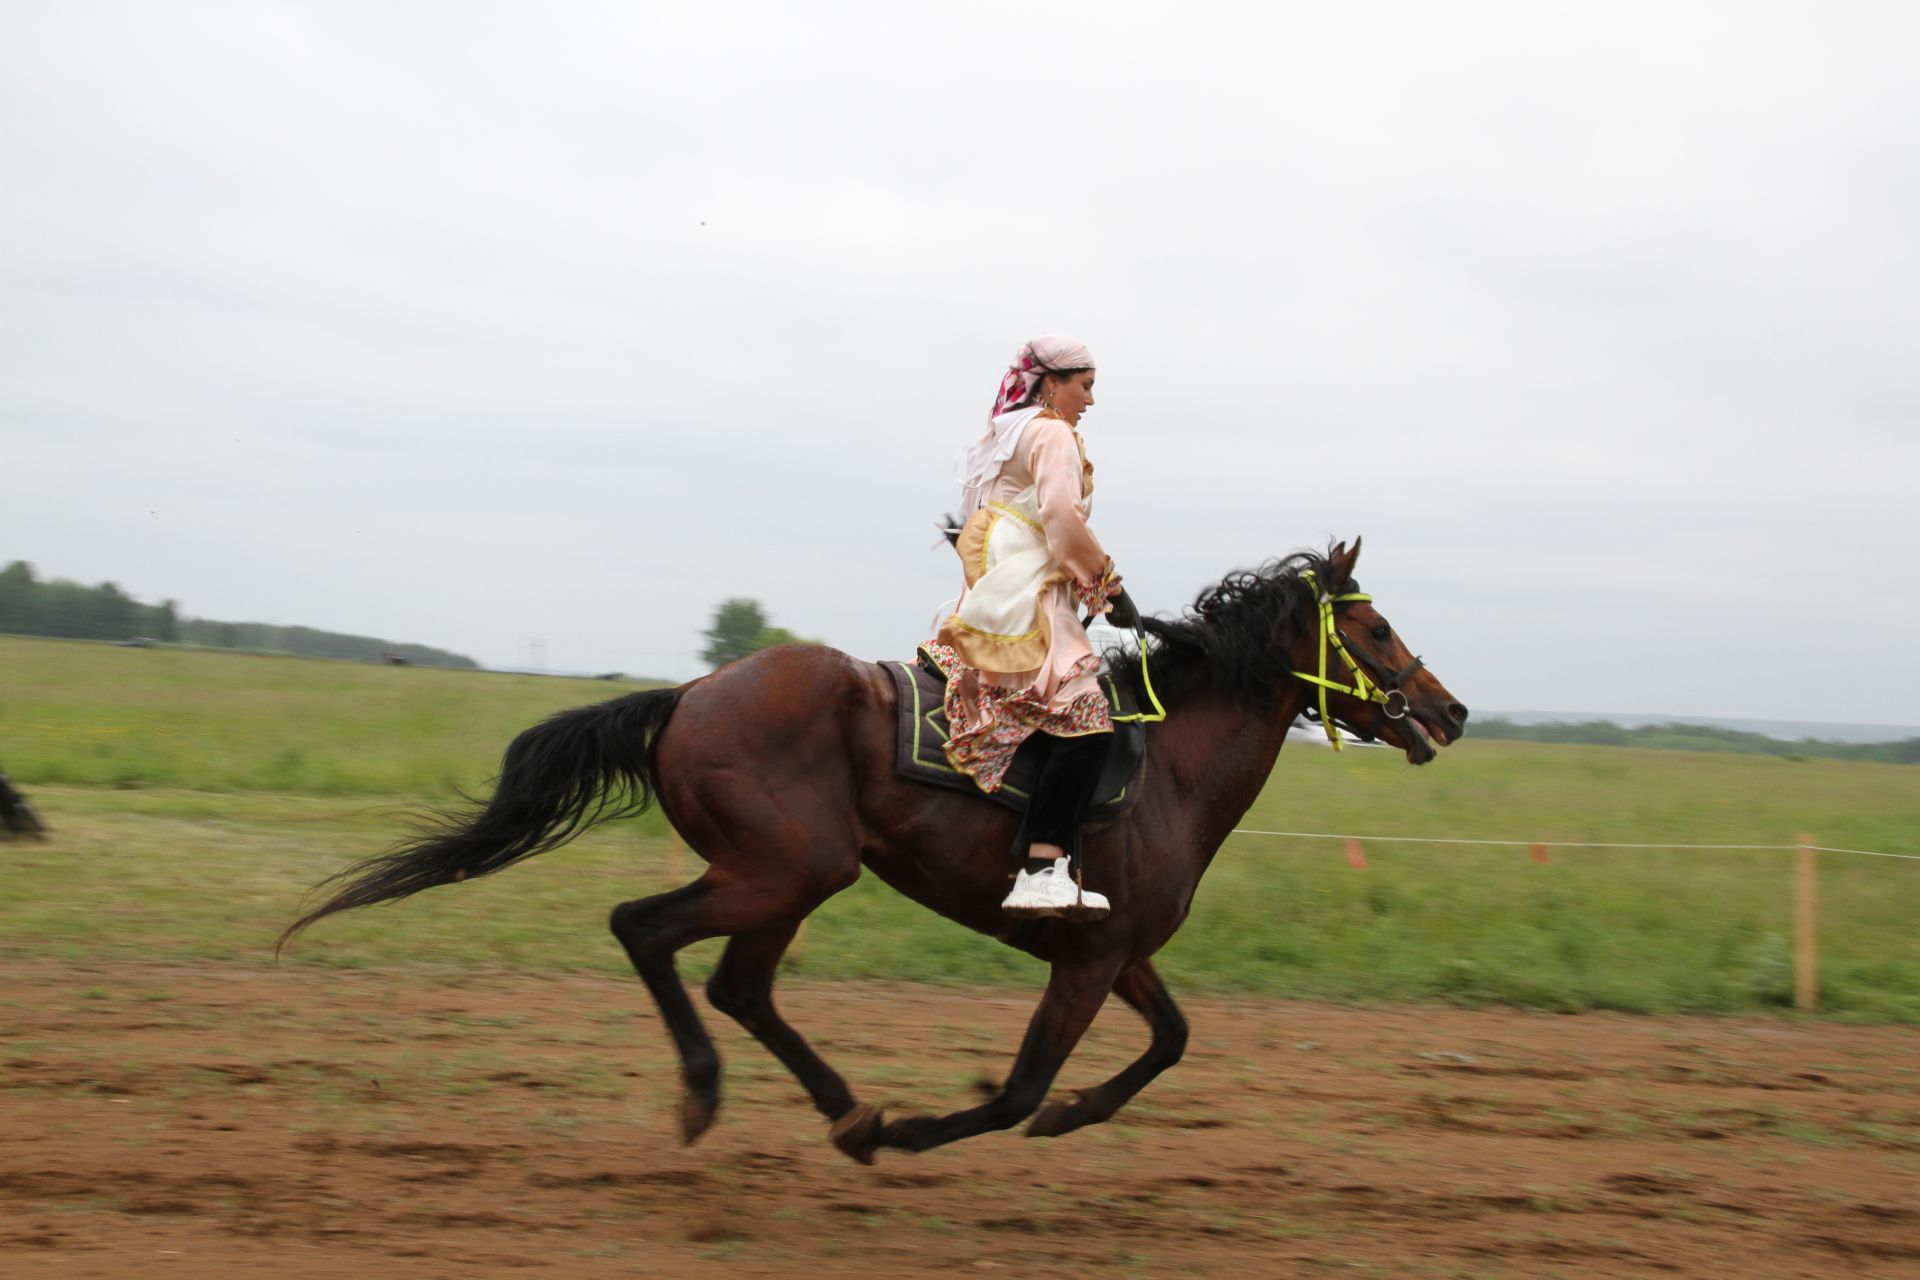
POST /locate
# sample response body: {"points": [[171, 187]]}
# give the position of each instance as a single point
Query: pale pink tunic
{"points": [[992, 712]]}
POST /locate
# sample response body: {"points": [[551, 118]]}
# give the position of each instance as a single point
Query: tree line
{"points": [[1698, 737], [32, 607], [66, 610]]}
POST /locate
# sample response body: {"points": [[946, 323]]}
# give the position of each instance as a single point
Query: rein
{"points": [[1383, 689], [1159, 712], [1123, 603]]}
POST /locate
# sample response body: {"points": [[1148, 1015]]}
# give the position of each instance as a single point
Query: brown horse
{"points": [[779, 771]]}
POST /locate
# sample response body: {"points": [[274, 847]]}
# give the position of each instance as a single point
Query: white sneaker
{"points": [[1051, 891]]}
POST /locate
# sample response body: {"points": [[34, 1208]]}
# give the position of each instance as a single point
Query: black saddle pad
{"points": [[920, 690]]}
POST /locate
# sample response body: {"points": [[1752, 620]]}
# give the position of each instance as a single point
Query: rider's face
{"points": [[1072, 395]]}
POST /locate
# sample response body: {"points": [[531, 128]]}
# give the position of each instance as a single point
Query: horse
{"points": [[778, 771]]}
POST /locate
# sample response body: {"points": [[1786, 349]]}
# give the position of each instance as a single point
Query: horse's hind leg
{"points": [[651, 930], [716, 905], [742, 988], [1140, 987]]}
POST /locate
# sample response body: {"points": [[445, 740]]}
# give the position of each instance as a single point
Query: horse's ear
{"points": [[1341, 561]]}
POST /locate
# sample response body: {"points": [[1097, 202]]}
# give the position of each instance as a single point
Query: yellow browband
{"points": [[1361, 688]]}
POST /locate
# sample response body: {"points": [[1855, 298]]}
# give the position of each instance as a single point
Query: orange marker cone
{"points": [[1539, 852], [1356, 856]]}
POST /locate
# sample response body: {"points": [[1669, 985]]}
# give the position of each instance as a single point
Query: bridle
{"points": [[1383, 689]]}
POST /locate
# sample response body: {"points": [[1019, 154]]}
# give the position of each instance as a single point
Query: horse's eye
{"points": [[1382, 632]]}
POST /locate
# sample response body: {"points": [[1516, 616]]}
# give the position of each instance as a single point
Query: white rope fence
{"points": [[1806, 883], [1567, 844]]}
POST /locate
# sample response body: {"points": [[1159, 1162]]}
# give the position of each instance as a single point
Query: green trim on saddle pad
{"points": [[922, 732]]}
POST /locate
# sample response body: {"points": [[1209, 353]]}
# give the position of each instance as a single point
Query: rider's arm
{"points": [[1053, 458]]}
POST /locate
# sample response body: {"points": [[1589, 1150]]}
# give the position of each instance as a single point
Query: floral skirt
{"points": [[987, 722]]}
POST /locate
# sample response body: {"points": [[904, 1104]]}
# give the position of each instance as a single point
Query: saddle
{"points": [[920, 691]]}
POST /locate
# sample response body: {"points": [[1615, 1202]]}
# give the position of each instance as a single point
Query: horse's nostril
{"points": [[1458, 712]]}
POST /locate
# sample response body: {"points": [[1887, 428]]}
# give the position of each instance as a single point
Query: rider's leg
{"points": [[1061, 794], [1050, 831]]}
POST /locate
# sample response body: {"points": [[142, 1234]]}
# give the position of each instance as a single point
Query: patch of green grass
{"points": [[100, 715], [1637, 930], [128, 878], [182, 831]]}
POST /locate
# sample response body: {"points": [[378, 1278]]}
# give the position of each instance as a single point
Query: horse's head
{"points": [[1365, 677]]}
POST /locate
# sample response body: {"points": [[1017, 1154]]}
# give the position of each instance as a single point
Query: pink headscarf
{"points": [[976, 465], [1049, 351]]}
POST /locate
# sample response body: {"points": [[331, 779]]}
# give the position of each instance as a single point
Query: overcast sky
{"points": [[476, 324]]}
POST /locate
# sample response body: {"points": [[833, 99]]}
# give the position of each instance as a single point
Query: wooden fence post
{"points": [[1806, 921]]}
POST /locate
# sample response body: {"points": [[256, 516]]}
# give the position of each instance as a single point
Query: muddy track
{"points": [[219, 1122]]}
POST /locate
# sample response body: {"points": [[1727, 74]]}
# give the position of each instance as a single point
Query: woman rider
{"points": [[1016, 657]]}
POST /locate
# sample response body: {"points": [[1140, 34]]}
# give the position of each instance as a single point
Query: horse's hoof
{"points": [[1052, 1120], [858, 1132], [696, 1117]]}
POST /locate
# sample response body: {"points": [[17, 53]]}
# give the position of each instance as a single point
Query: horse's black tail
{"points": [[17, 817], [566, 774]]}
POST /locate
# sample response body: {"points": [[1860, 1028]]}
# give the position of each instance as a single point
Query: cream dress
{"points": [[1017, 660]]}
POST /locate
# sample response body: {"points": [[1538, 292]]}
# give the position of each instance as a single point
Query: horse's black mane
{"points": [[1229, 634]]}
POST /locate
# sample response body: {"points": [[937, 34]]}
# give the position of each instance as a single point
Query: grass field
{"points": [[100, 715], [194, 797]]}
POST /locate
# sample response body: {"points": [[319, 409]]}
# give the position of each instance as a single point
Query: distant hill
{"points": [[1681, 736], [1786, 730], [30, 606], [310, 642]]}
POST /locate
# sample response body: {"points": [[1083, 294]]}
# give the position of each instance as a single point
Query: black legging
{"points": [[1062, 792]]}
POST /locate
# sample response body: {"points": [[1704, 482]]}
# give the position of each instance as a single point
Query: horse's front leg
{"points": [[1074, 995], [1140, 987]]}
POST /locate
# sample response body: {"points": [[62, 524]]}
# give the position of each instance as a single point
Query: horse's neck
{"points": [[1223, 752]]}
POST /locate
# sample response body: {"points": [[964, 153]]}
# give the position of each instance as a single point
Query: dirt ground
{"points": [[220, 1122]]}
